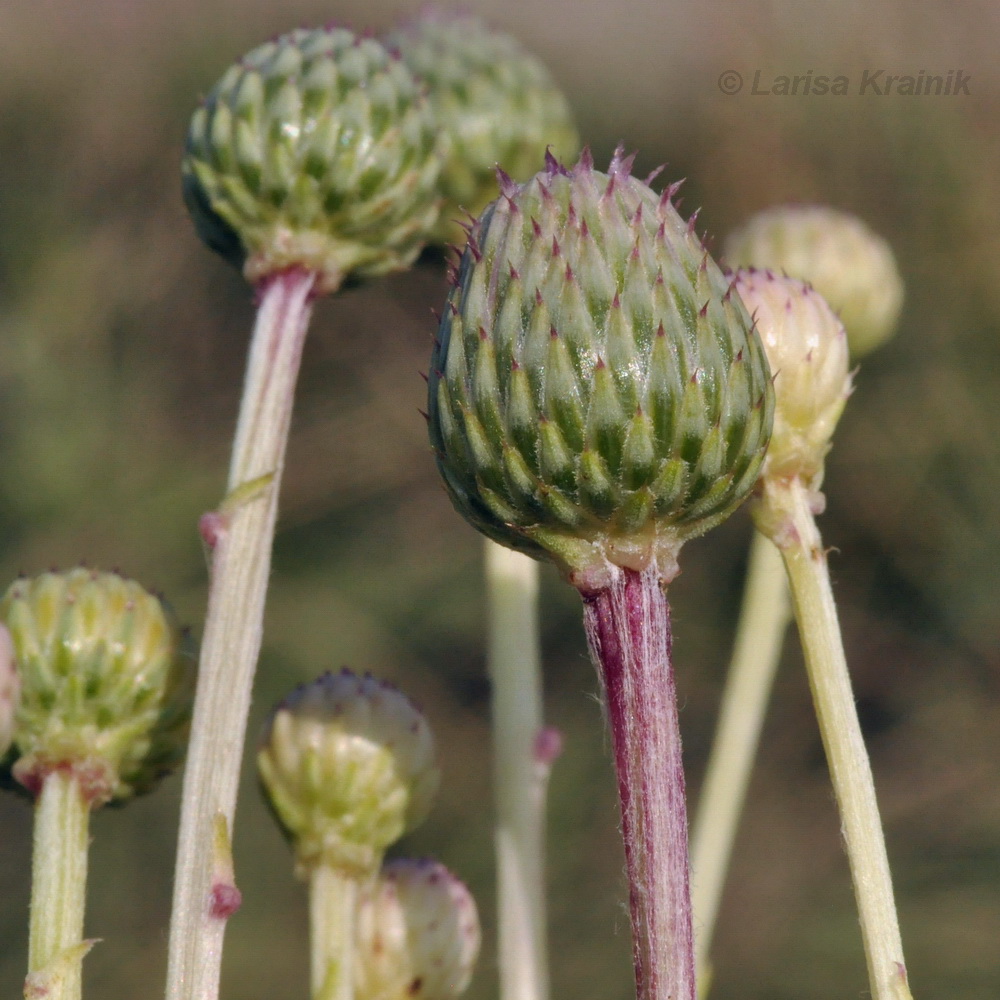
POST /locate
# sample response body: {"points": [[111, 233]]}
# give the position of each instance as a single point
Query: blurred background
{"points": [[122, 345]]}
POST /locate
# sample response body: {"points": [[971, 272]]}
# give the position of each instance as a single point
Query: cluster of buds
{"points": [[103, 683]]}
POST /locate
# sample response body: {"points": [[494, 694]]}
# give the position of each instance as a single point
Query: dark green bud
{"points": [[597, 392], [496, 104], [105, 683], [317, 150]]}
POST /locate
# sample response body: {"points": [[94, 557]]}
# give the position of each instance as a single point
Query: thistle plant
{"points": [[496, 104], [104, 696], [313, 160], [597, 397], [807, 348], [854, 270]]}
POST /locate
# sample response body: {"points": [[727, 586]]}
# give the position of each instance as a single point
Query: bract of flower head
{"points": [[347, 764], [417, 934], [597, 394], [851, 266], [317, 150], [807, 348]]}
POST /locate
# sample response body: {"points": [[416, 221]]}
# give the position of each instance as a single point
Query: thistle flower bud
{"points": [[106, 686], [495, 102], [849, 265], [597, 394], [807, 349], [316, 150], [417, 932], [347, 764], [10, 688]]}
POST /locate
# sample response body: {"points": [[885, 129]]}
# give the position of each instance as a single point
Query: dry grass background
{"points": [[121, 352]]}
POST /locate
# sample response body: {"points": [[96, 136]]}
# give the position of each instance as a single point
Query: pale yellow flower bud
{"points": [[853, 268], [417, 932], [806, 348]]}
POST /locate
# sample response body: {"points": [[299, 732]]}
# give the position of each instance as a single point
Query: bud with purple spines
{"points": [[495, 102], [851, 266], [347, 765], [10, 689], [417, 934], [317, 150], [597, 393]]}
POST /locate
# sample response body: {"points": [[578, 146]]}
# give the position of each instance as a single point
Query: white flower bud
{"points": [[852, 267], [807, 350], [417, 933]]}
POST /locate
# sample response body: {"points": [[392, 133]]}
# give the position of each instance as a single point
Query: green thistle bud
{"points": [[850, 266], [807, 350], [495, 102], [417, 933], [317, 150], [597, 393], [106, 686], [347, 764]]}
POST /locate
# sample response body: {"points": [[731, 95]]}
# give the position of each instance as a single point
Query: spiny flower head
{"points": [[597, 394], [417, 933], [852, 267], [496, 104], [105, 682], [347, 764], [807, 348], [316, 150]]}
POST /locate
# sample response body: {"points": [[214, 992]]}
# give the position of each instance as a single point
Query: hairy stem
{"points": [[239, 536], [628, 630], [58, 889], [520, 777], [788, 505], [764, 619], [332, 905]]}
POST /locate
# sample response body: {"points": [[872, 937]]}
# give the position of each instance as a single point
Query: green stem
{"points": [[332, 906], [787, 505], [239, 535], [58, 889], [520, 772], [764, 619]]}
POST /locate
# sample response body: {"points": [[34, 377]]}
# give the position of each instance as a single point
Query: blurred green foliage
{"points": [[121, 353]]}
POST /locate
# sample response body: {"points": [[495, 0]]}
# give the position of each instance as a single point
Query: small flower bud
{"points": [[417, 933], [10, 689], [347, 764], [495, 102], [853, 268], [106, 686], [596, 395], [807, 350], [317, 150]]}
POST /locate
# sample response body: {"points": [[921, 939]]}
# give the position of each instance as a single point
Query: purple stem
{"points": [[628, 631]]}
